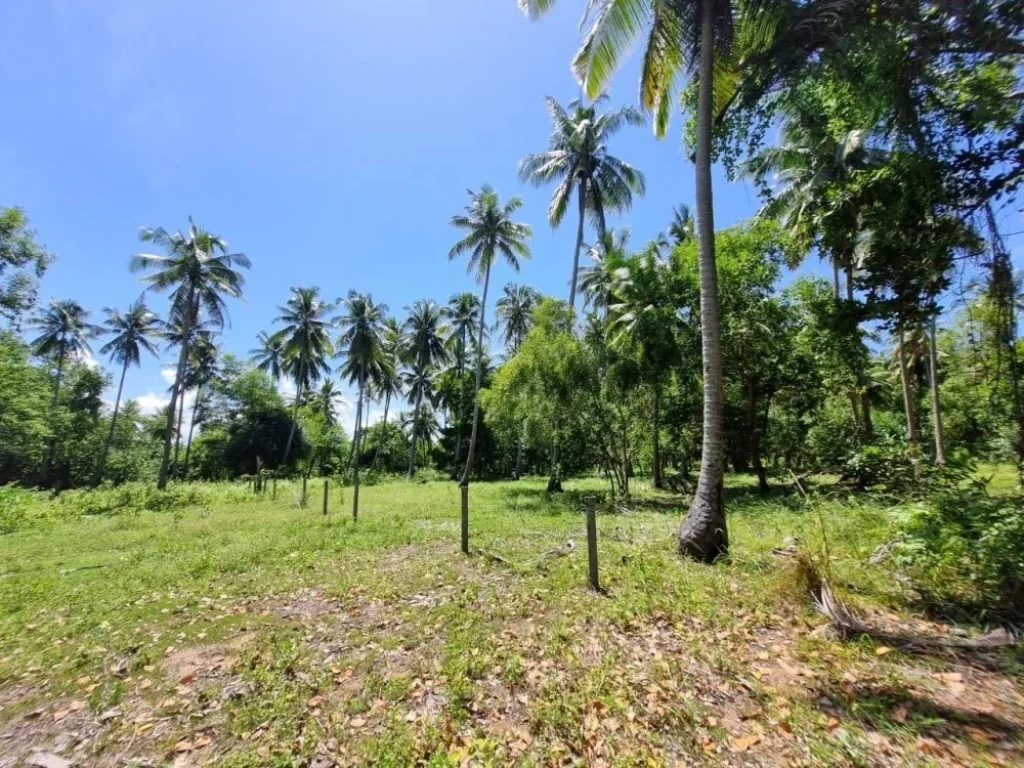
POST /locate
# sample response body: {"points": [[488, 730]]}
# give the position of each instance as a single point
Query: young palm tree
{"points": [[425, 350], [201, 372], [134, 331], [578, 159], [361, 341], [421, 425], [515, 315], [64, 331], [682, 229], [198, 272], [269, 355], [463, 315], [490, 233], [307, 345]]}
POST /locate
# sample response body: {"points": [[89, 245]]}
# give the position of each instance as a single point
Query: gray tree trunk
{"points": [[191, 429], [355, 459], [165, 460], [656, 457], [479, 381], [295, 412], [412, 437], [703, 535], [908, 400], [98, 477], [933, 359], [51, 452]]}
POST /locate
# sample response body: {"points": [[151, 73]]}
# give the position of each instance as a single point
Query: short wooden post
{"points": [[465, 518], [325, 496], [303, 502], [273, 489], [588, 502]]}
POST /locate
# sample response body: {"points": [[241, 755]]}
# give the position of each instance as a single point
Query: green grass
{"points": [[310, 636]]}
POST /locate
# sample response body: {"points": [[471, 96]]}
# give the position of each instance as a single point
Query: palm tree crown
{"points": [[64, 330], [134, 331], [515, 311], [578, 159], [269, 355], [361, 339], [307, 342], [490, 232]]}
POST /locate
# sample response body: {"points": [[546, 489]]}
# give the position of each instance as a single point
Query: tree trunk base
{"points": [[702, 536], [554, 485]]}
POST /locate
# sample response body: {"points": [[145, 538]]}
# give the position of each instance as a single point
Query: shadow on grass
{"points": [[888, 709]]}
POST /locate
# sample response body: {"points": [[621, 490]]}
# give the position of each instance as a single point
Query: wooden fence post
{"points": [[273, 489], [325, 495], [465, 518], [588, 502], [302, 503]]}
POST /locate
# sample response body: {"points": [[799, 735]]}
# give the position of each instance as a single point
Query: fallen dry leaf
{"points": [[743, 743]]}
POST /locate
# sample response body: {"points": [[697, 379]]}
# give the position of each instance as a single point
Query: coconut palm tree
{"points": [[425, 351], [696, 37], [515, 315], [307, 345], [199, 273], [175, 332], [134, 331], [490, 233], [361, 342], [421, 426], [578, 159], [269, 355], [389, 385], [682, 229], [64, 331], [463, 316], [201, 372]]}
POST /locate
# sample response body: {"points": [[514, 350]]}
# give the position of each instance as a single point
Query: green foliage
{"points": [[22, 261], [961, 546]]}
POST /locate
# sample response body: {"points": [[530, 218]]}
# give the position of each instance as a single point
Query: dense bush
{"points": [[962, 547]]}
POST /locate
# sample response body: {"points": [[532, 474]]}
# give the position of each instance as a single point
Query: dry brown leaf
{"points": [[882, 650], [743, 743]]}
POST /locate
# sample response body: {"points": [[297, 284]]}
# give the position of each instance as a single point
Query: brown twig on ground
{"points": [[849, 625]]}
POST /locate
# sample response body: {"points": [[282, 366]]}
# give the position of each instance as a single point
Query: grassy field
{"points": [[254, 632]]}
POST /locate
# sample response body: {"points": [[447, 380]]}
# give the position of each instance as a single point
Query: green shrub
{"points": [[962, 548]]}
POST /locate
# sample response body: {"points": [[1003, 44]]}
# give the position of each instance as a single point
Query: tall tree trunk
{"points": [[186, 332], [908, 400], [869, 425], [51, 452], [180, 426], [579, 245], [98, 476], [413, 436], [191, 429], [295, 412], [356, 440], [849, 284], [835, 279], [479, 380], [933, 359], [703, 534], [458, 416], [384, 429], [656, 435], [755, 438]]}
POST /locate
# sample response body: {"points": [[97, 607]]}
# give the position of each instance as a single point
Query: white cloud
{"points": [[168, 374], [151, 403]]}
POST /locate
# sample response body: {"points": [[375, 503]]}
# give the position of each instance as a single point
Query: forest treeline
{"points": [[887, 140]]}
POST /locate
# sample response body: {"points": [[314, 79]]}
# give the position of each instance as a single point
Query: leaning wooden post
{"points": [[273, 489], [325, 495], [588, 502], [303, 502], [465, 519]]}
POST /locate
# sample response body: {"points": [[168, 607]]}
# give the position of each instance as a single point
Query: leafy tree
{"points": [[25, 426], [134, 332], [490, 233], [64, 332], [307, 345], [389, 385], [425, 351], [199, 273], [515, 316], [203, 369], [22, 262], [578, 160]]}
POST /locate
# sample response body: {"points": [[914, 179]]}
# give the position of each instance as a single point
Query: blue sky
{"points": [[329, 141]]}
